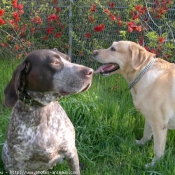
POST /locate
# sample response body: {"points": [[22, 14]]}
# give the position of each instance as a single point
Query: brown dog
{"points": [[40, 134], [152, 84]]}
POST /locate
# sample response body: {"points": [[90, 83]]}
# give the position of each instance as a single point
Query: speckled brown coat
{"points": [[40, 134]]}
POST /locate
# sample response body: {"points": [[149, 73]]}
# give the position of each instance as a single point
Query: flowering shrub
{"points": [[96, 24], [145, 22], [24, 28]]}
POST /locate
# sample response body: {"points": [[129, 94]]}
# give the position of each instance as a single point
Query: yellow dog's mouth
{"points": [[107, 69]]}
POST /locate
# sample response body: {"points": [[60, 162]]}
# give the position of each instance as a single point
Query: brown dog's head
{"points": [[123, 57], [47, 71]]}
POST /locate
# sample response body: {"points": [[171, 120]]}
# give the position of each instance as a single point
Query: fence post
{"points": [[70, 30]]}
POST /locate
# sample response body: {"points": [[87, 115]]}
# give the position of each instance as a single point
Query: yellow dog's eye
{"points": [[113, 49]]}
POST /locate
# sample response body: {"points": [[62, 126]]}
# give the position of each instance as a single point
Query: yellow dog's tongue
{"points": [[106, 67], [100, 69]]}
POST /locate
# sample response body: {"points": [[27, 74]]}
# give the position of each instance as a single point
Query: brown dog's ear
{"points": [[68, 58], [140, 56], [17, 82]]}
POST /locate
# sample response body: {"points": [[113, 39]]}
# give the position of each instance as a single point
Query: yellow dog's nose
{"points": [[95, 52]]}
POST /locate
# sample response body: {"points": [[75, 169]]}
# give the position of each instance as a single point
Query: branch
{"points": [[151, 17]]}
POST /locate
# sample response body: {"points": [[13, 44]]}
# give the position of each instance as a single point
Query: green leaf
{"points": [[3, 1]]}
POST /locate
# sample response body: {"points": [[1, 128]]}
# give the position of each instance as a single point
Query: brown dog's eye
{"points": [[56, 62], [113, 49]]}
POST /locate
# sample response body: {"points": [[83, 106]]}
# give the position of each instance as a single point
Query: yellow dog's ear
{"points": [[140, 56]]}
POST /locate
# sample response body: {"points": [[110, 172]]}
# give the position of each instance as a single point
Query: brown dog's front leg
{"points": [[73, 163]]}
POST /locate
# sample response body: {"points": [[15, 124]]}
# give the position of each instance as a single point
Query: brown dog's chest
{"points": [[40, 132]]}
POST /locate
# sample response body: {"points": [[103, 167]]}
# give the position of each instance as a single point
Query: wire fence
{"points": [[112, 30], [78, 37]]}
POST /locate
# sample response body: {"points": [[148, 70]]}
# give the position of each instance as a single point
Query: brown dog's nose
{"points": [[95, 52], [88, 72]]}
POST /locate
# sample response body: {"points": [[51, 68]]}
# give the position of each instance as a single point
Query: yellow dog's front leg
{"points": [[147, 134]]}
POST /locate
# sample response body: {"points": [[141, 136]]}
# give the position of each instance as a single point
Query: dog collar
{"points": [[27, 99], [141, 74]]}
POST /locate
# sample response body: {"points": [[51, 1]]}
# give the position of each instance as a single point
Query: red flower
{"points": [[119, 21], [20, 6], [138, 8], [32, 30], [80, 53], [45, 38], [2, 22], [58, 35], [4, 44], [52, 17], [107, 11], [154, 51], [17, 27], [161, 11], [58, 23], [87, 35], [36, 20], [161, 39], [135, 16], [159, 48], [113, 18], [143, 11], [11, 22], [130, 29], [18, 56], [15, 14], [91, 19], [50, 30], [21, 12], [131, 24], [15, 3], [112, 5], [157, 2], [146, 47], [166, 56], [22, 34], [14, 24], [54, 1], [16, 47], [17, 19], [57, 9], [99, 28], [2, 11], [23, 29], [138, 28], [141, 41], [93, 8], [62, 27]]}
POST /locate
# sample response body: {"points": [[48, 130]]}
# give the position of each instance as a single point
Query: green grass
{"points": [[106, 125]]}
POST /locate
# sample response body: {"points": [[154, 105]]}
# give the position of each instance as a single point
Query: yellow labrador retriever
{"points": [[152, 84]]}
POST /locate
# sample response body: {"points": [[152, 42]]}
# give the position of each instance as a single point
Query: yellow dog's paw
{"points": [[140, 142], [151, 164]]}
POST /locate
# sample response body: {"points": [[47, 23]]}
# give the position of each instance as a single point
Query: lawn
{"points": [[106, 124]]}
